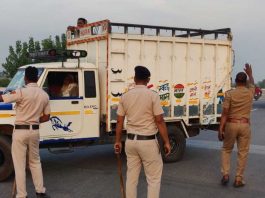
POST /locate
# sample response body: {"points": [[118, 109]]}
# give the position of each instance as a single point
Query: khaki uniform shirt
{"points": [[140, 105], [239, 101], [31, 103]]}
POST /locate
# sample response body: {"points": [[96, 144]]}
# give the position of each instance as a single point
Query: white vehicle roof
{"points": [[58, 65]]}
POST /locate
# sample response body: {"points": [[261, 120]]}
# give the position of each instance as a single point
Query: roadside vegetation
{"points": [[18, 54]]}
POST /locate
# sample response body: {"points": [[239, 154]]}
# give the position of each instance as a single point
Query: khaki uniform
{"points": [[140, 105], [31, 103], [239, 103]]}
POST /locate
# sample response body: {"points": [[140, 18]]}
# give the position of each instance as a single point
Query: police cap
{"points": [[141, 73]]}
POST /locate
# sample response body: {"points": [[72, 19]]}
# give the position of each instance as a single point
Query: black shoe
{"points": [[42, 195], [225, 180]]}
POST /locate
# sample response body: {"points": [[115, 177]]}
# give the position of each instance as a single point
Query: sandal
{"points": [[225, 180], [239, 183]]}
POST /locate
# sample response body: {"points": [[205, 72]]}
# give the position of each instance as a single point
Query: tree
{"points": [[37, 46], [4, 82], [63, 41], [261, 84], [31, 44], [16, 58], [58, 44], [18, 55], [47, 43]]}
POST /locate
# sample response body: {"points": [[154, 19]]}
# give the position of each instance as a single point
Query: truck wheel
{"points": [[178, 145], [6, 163]]}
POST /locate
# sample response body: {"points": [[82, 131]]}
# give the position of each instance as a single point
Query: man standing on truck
{"points": [[75, 29], [144, 115], [32, 108], [235, 125]]}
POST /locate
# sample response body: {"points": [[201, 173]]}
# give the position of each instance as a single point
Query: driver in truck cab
{"points": [[32, 108]]}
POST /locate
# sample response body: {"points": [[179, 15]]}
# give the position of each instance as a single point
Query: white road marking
{"points": [[254, 149], [254, 109]]}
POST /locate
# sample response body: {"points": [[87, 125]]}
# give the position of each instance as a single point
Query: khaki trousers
{"points": [[23, 141], [146, 153], [240, 133]]}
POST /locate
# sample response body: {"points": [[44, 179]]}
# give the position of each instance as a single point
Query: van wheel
{"points": [[178, 145], [6, 163]]}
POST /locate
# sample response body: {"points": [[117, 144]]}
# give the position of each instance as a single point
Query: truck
{"points": [[190, 70]]}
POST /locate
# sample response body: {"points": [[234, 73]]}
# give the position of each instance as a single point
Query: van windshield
{"points": [[18, 80]]}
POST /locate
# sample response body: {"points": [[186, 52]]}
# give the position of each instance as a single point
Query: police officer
{"points": [[235, 125], [32, 108], [144, 115]]}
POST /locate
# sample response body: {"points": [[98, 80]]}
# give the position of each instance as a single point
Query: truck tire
{"points": [[6, 163], [178, 145]]}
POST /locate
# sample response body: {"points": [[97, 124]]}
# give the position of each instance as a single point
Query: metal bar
{"points": [[206, 32], [196, 31], [157, 32]]}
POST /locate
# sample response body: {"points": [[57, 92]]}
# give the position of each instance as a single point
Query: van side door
{"points": [[66, 103], [91, 100]]}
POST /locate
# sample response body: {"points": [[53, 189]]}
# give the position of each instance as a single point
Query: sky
{"points": [[21, 19]]}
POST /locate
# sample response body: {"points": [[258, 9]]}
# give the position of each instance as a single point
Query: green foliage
{"points": [[37, 46], [4, 82], [261, 84], [63, 41], [31, 44], [47, 43], [16, 58], [18, 54]]}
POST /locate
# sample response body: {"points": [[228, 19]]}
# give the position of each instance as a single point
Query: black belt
{"points": [[131, 136], [24, 126]]}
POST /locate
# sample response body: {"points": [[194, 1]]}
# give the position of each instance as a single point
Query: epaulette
{"points": [[229, 90]]}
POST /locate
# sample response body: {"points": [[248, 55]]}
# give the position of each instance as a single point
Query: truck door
{"points": [[66, 105], [91, 103]]}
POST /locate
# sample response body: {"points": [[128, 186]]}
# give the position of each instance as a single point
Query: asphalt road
{"points": [[92, 172]]}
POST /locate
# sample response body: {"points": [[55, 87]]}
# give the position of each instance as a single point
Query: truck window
{"points": [[90, 84], [61, 84], [18, 80]]}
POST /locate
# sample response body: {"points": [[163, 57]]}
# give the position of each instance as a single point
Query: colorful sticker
{"points": [[179, 91], [164, 94], [206, 87], [58, 124]]}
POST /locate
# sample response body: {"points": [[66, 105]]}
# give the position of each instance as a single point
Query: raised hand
{"points": [[248, 69]]}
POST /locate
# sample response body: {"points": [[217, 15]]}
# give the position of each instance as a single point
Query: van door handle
{"points": [[74, 102]]}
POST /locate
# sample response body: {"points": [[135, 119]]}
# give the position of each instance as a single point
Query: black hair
{"points": [[141, 73], [82, 19], [31, 73], [241, 77]]}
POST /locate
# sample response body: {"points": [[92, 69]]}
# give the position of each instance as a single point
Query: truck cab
{"points": [[74, 118]]}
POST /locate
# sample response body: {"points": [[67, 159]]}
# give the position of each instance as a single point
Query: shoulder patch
{"points": [[229, 91]]}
